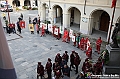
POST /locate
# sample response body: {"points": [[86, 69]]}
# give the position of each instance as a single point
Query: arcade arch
{"points": [[74, 18], [16, 3], [27, 3], [99, 21], [57, 15]]}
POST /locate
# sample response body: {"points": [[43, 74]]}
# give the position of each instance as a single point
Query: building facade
{"points": [[17, 3], [86, 15]]}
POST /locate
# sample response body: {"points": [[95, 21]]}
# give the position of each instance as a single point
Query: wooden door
{"points": [[104, 22]]}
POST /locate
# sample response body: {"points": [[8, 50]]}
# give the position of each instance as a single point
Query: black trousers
{"points": [[49, 74], [38, 76], [76, 66]]}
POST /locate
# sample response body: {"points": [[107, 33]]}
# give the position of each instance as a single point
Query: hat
{"points": [[58, 54], [39, 63], [66, 51], [73, 51], [49, 59]]}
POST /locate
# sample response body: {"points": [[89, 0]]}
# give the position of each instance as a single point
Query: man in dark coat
{"points": [[72, 57], [40, 70], [58, 58], [55, 67], [66, 71], [65, 56], [49, 68], [77, 61]]}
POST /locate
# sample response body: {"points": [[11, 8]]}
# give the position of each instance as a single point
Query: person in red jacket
{"points": [[82, 43], [77, 61], [40, 70], [42, 31], [85, 43], [89, 52], [49, 68], [98, 45]]}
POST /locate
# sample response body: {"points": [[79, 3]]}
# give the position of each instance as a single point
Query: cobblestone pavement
{"points": [[27, 50], [31, 48]]}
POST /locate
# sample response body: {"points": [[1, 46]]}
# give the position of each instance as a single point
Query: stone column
{"points": [[54, 14], [51, 16], [7, 70], [43, 13], [66, 20], [21, 2]]}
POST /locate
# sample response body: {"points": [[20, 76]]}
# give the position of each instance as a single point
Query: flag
{"points": [[71, 33], [31, 27], [113, 3], [88, 44], [73, 39], [50, 29], [56, 31], [22, 24]]}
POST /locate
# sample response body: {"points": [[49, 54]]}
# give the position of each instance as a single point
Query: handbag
{"points": [[45, 74]]}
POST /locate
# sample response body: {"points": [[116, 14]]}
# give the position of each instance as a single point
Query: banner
{"points": [[71, 33], [73, 39], [22, 24], [50, 29], [56, 31], [88, 44], [31, 27], [61, 30], [45, 26], [113, 3]]}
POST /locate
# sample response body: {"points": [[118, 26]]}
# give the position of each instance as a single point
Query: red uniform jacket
{"points": [[89, 52]]}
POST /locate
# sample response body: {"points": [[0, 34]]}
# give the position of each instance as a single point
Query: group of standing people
{"points": [[84, 44], [60, 65]]}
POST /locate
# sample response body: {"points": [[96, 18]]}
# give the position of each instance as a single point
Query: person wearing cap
{"points": [[98, 44], [40, 70], [82, 41], [80, 76], [89, 52], [48, 68], [72, 57], [77, 61], [65, 56]]}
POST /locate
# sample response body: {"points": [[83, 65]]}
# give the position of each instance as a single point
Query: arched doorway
{"points": [[16, 3], [99, 23], [74, 18], [57, 15], [27, 3], [36, 3], [104, 21]]}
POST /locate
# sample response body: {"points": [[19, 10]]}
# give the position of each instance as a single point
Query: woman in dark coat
{"points": [[49, 68], [40, 70]]}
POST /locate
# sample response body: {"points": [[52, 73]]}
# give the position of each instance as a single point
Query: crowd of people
{"points": [[60, 65]]}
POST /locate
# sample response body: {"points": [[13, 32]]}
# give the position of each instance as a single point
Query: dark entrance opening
{"points": [[104, 22]]}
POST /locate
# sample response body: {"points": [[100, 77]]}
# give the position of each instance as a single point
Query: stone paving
{"points": [[31, 48]]}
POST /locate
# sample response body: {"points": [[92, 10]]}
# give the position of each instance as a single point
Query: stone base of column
{"points": [[113, 66], [7, 74]]}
